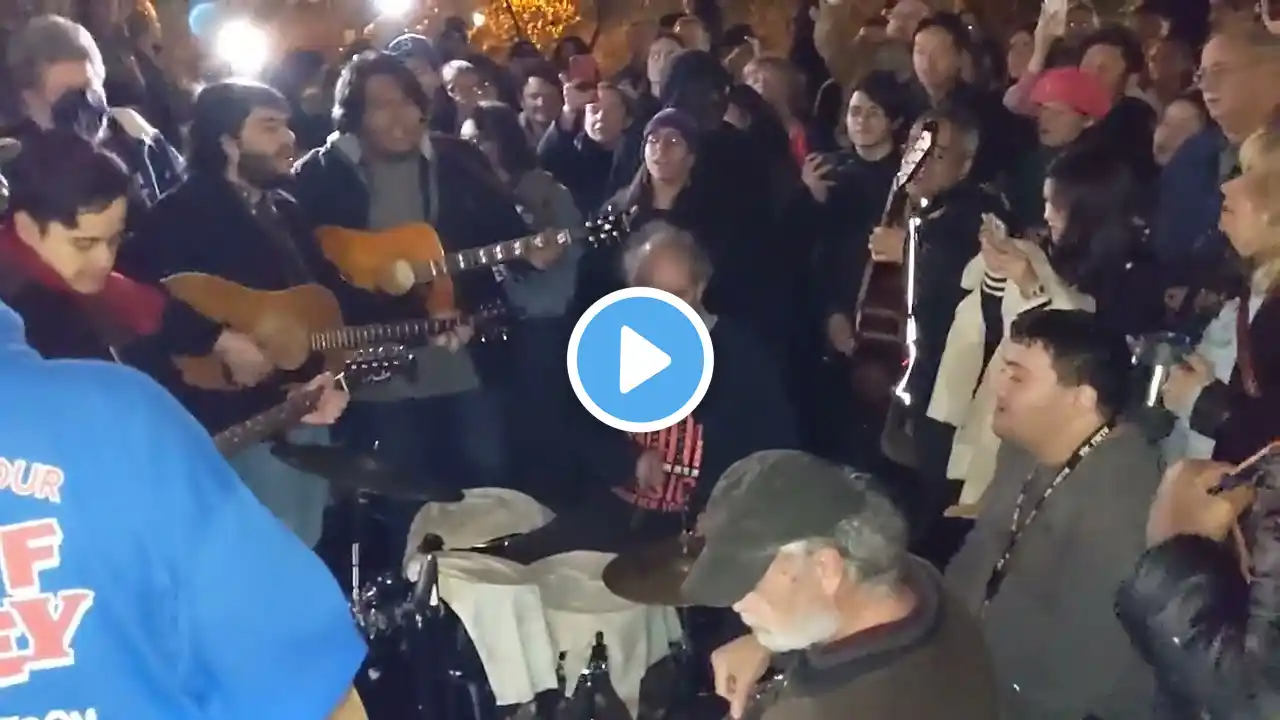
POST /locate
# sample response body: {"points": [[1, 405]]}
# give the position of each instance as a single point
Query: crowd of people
{"points": [[1052, 544]]}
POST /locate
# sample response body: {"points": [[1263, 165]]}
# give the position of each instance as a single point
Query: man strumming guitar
{"points": [[228, 219]]}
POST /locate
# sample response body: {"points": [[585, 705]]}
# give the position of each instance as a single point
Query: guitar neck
{"points": [[262, 426], [487, 256], [408, 332]]}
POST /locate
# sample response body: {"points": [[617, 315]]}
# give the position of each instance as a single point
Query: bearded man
{"points": [[230, 220]]}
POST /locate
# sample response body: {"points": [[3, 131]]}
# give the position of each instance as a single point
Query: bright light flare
{"points": [[393, 7], [244, 46], [477, 19]]}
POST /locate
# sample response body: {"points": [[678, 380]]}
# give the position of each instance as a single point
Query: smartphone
{"points": [[996, 233]]}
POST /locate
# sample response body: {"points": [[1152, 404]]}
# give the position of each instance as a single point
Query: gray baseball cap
{"points": [[760, 504]]}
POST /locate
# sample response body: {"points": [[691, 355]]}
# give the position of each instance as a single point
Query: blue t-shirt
{"points": [[139, 578]]}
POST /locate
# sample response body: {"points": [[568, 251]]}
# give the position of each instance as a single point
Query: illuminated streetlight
{"points": [[243, 46], [393, 7], [477, 19]]}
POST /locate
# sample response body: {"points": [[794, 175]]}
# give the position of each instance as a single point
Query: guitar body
{"points": [[883, 349], [367, 258], [880, 354], [281, 322]]}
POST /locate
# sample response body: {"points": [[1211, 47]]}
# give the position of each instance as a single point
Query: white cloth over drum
{"points": [[496, 600], [482, 515], [578, 605], [501, 609]]}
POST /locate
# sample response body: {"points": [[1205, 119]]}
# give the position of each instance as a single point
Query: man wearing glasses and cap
{"points": [[813, 559]]}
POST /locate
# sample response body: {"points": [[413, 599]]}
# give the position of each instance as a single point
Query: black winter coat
{"points": [[1212, 637]]}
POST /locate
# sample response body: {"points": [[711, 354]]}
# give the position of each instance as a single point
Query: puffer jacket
{"points": [[1212, 636]]}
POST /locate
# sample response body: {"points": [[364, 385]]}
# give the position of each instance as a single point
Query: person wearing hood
{"points": [[134, 561], [382, 170], [58, 72]]}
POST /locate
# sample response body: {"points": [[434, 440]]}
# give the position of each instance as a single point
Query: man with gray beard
{"points": [[813, 558]]}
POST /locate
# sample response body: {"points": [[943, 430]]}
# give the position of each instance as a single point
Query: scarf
{"points": [[122, 311]]}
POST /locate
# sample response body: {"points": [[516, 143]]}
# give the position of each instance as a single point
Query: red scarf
{"points": [[122, 311]]}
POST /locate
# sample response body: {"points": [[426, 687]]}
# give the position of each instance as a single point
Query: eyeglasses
{"points": [[1213, 76]]}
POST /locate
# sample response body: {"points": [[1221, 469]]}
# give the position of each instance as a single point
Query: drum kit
{"points": [[427, 663]]}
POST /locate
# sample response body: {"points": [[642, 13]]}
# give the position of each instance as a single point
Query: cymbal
{"points": [[359, 472], [653, 573]]}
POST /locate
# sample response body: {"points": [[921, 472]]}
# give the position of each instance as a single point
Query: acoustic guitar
{"points": [[369, 366], [397, 259], [289, 325], [885, 294]]}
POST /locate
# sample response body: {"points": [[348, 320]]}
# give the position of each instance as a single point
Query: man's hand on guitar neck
{"points": [[888, 245], [332, 402], [457, 337], [550, 250], [245, 361]]}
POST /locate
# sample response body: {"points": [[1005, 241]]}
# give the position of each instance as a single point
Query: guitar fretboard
{"points": [[262, 426], [362, 335], [495, 254]]}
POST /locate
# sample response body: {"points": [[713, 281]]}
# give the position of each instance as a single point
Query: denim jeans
{"points": [[296, 498]]}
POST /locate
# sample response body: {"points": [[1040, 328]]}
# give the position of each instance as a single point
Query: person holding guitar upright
{"points": [[950, 209], [229, 225]]}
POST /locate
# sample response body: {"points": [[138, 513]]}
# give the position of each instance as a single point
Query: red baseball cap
{"points": [[1078, 90]]}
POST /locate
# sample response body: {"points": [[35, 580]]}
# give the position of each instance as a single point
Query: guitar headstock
{"points": [[607, 228], [379, 363], [915, 153]]}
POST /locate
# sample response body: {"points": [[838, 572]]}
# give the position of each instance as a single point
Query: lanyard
{"points": [[1017, 528]]}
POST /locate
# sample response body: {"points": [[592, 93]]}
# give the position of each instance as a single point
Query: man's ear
{"points": [[230, 149], [27, 227], [1086, 398]]}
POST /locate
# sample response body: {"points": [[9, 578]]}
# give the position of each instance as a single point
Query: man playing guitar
{"points": [[229, 221], [383, 171]]}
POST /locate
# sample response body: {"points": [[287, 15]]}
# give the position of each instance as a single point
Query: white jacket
{"points": [[964, 395]]}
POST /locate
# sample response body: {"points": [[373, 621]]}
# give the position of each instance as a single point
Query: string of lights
{"points": [[543, 21]]}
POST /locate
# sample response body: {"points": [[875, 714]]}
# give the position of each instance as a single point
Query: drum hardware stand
{"points": [[685, 690], [911, 330]]}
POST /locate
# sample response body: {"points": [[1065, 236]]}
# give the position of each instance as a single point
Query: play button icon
{"points": [[640, 360]]}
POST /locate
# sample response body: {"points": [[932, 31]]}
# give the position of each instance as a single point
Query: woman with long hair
{"points": [[1086, 262]]}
